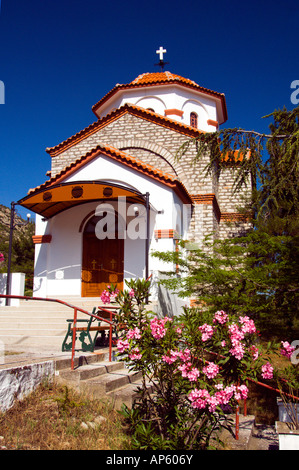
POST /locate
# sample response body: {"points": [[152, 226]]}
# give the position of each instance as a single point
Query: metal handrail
{"points": [[76, 310]]}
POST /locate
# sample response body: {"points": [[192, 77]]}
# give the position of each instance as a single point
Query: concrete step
{"points": [[99, 386], [128, 394], [102, 379], [90, 371]]}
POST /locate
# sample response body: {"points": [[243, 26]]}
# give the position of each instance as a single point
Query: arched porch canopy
{"points": [[54, 199]]}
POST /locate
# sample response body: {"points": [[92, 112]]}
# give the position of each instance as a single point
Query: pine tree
{"points": [[256, 274]]}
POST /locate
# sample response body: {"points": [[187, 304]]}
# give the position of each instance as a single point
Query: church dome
{"points": [[149, 90]]}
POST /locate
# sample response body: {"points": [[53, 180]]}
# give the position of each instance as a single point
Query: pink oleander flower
{"points": [[248, 325], [133, 333], [219, 386], [237, 351], [193, 374], [223, 343], [122, 345], [131, 293], [287, 350], [207, 331], [114, 294], [211, 370], [213, 403], [267, 371], [168, 359], [135, 354], [185, 355], [157, 327], [225, 394], [1, 257], [220, 317], [105, 297], [198, 398], [172, 358], [236, 335], [185, 369], [241, 392]]}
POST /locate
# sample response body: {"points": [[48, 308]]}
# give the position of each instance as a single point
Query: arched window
{"points": [[193, 119]]}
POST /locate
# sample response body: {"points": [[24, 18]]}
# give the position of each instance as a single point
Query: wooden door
{"points": [[103, 263]]}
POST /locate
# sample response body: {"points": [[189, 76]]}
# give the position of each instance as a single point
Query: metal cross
{"points": [[94, 263]]}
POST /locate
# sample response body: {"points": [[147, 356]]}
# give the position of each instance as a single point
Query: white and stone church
{"points": [[116, 191]]}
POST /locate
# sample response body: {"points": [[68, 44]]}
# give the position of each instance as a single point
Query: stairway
{"points": [[99, 378], [37, 323]]}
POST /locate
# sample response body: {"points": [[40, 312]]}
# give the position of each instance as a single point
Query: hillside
{"points": [[23, 248]]}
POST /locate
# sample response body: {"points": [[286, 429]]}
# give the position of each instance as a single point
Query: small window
{"points": [[193, 120]]}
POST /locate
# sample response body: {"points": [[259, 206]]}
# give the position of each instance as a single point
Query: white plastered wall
{"points": [[58, 264], [168, 97]]}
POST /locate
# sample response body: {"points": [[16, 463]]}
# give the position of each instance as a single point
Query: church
{"points": [[116, 191]]}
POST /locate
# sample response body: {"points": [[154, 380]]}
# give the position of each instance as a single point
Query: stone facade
{"points": [[155, 144]]}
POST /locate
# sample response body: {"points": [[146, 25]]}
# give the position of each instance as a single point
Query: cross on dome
{"points": [[161, 63], [161, 51]]}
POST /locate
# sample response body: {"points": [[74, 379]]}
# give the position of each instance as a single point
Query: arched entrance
{"points": [[103, 258]]}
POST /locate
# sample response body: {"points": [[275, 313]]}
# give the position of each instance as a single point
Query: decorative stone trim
{"points": [[208, 199], [165, 233], [234, 217], [37, 239], [210, 122], [174, 111]]}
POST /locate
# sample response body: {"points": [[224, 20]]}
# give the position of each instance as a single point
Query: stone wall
{"points": [[18, 382], [158, 145]]}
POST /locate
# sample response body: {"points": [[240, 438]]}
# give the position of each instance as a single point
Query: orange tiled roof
{"points": [[161, 78], [125, 159], [127, 108]]}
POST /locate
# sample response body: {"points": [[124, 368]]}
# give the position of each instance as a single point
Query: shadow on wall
{"points": [[169, 303]]}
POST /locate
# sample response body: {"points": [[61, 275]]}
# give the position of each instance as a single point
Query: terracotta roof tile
{"points": [[160, 77]]}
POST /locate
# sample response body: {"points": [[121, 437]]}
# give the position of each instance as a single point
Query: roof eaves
{"points": [[125, 159]]}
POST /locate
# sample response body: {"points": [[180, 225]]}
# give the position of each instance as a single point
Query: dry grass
{"points": [[57, 418]]}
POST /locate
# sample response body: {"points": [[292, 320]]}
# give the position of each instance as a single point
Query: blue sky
{"points": [[59, 57]]}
